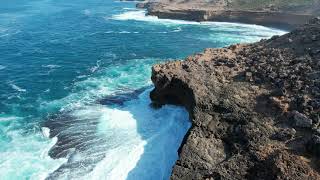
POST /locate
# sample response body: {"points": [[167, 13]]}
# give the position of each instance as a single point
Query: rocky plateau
{"points": [[255, 108], [285, 14]]}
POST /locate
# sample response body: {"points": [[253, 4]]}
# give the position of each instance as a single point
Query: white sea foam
{"points": [[17, 88], [177, 29], [140, 15], [108, 82], [95, 68], [24, 156], [45, 132], [51, 66], [129, 8], [87, 12], [135, 134], [145, 140], [2, 67], [121, 32], [118, 162], [244, 34], [118, 119], [222, 32], [8, 118], [124, 32]]}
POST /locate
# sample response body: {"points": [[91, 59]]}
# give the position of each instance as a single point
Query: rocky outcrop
{"points": [[272, 19], [269, 13], [255, 108]]}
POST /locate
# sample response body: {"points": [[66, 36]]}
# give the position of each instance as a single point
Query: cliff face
{"points": [[278, 13], [255, 108]]}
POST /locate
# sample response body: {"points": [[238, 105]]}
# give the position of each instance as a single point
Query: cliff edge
{"points": [[286, 14], [255, 108]]}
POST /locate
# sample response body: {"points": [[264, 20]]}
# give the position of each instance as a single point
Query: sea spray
{"points": [[24, 155], [146, 136]]}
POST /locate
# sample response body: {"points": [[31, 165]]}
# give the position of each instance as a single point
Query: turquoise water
{"points": [[75, 83]]}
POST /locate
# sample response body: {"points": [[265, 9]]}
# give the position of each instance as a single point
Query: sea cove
{"points": [[75, 84]]}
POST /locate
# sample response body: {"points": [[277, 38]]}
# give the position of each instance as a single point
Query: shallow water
{"points": [[74, 97]]}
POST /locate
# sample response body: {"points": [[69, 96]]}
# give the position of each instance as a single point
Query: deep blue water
{"points": [[75, 82]]}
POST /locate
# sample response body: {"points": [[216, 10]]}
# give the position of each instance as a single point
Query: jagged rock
{"points": [[243, 101], [301, 120], [285, 134], [282, 165]]}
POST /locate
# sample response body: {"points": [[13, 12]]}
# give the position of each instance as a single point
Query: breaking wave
{"points": [[17, 88], [2, 67], [24, 155], [140, 15]]}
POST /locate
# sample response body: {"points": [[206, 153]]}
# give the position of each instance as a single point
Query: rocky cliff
{"points": [[278, 13], [255, 108]]}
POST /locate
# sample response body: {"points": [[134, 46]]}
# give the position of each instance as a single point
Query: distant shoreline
{"points": [[276, 19]]}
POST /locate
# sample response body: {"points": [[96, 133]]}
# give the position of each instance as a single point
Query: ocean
{"points": [[75, 83]]}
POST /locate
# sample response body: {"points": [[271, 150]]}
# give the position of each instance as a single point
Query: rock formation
{"points": [[277, 13], [255, 108]]}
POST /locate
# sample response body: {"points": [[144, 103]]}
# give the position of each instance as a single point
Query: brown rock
{"points": [[240, 127]]}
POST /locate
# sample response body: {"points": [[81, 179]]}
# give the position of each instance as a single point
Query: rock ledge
{"points": [[255, 108]]}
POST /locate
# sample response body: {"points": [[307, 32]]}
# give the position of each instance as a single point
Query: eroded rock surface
{"points": [[278, 13], [254, 108]]}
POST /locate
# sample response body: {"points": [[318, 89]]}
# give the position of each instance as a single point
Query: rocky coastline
{"points": [[255, 108], [288, 17]]}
